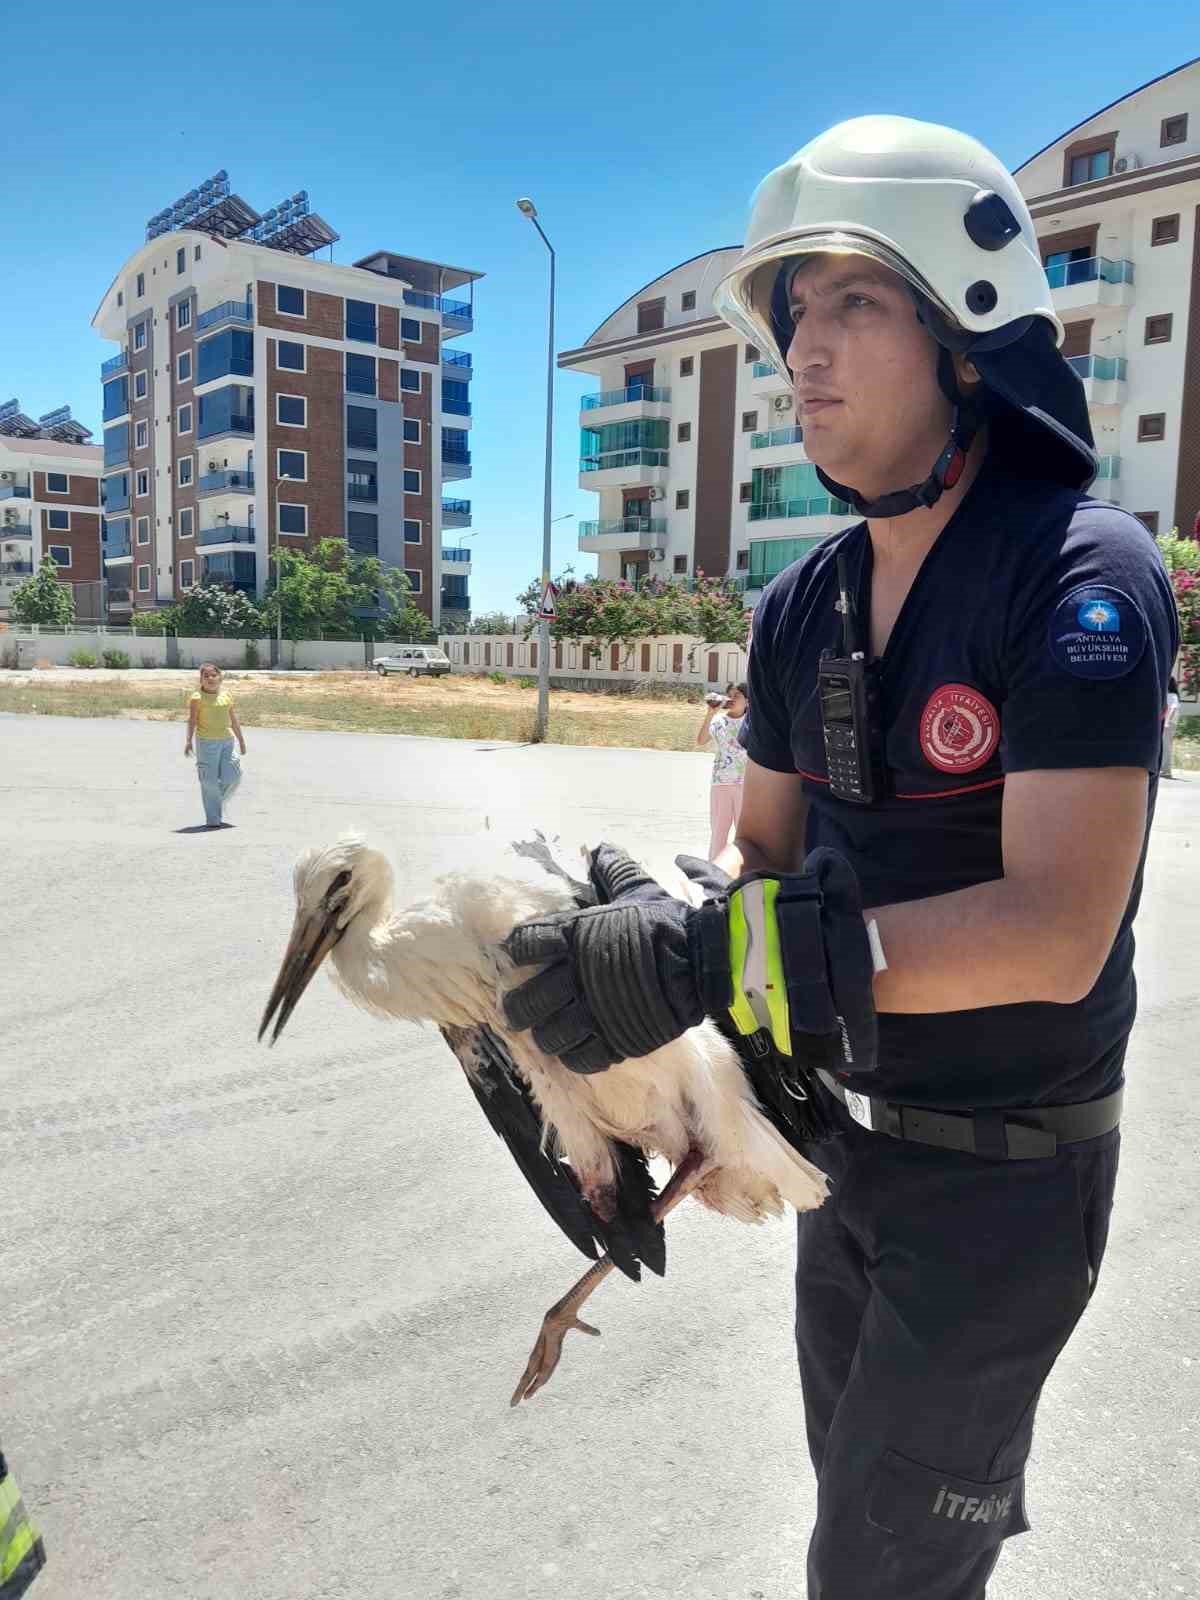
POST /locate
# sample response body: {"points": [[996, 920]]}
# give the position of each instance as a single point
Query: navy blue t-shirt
{"points": [[1039, 633]]}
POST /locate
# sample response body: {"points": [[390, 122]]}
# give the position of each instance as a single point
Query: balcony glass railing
{"points": [[1099, 367], [118, 595], [227, 311], [212, 427], [624, 397], [14, 491], [595, 530], [114, 364], [117, 549], [457, 552], [456, 602], [18, 530], [1062, 274], [455, 456], [216, 482], [456, 508], [818, 506], [460, 310], [624, 458], [226, 533], [16, 569], [456, 358], [362, 491], [1110, 467], [456, 408], [765, 369], [777, 436], [768, 557]]}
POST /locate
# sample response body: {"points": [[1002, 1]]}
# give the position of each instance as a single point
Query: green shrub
{"points": [[526, 683], [498, 677], [252, 653], [116, 659], [82, 658]]}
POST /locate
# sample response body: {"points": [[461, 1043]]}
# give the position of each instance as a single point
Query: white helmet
{"points": [[940, 210], [932, 204]]}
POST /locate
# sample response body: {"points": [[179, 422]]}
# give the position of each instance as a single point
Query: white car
{"points": [[418, 660]]}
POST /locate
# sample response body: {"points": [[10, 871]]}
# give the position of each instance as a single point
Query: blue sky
{"points": [[639, 130]]}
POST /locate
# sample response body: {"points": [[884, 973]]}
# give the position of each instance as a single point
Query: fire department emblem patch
{"points": [[959, 729]]}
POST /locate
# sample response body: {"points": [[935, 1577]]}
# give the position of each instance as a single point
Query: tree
{"points": [[1182, 557], [43, 599], [332, 590], [491, 622], [612, 610], [211, 611]]}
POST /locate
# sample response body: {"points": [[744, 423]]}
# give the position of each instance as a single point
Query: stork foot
{"points": [[539, 1369]]}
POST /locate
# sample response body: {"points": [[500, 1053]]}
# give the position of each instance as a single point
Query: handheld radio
{"points": [[848, 686]]}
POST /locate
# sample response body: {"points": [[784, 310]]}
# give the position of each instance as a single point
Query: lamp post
{"points": [[527, 209]]}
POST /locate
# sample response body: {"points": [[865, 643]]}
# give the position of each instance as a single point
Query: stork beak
{"points": [[310, 943]]}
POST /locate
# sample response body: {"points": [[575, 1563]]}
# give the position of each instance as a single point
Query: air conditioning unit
{"points": [[214, 466], [6, 477], [781, 402], [1127, 163], [657, 555], [658, 494]]}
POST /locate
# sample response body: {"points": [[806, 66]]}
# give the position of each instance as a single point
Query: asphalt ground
{"points": [[261, 1311]]}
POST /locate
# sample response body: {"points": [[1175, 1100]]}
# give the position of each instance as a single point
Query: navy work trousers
{"points": [[934, 1292]]}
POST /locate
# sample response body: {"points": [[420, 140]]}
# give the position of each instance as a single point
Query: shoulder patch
{"points": [[1097, 632]]}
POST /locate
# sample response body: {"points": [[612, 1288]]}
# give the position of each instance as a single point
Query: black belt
{"points": [[1012, 1133]]}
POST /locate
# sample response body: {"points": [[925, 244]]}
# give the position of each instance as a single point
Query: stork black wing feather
{"points": [[787, 1094], [632, 1236]]}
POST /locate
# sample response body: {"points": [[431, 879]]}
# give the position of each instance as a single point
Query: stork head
{"points": [[345, 883]]}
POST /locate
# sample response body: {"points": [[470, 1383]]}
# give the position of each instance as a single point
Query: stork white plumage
{"points": [[581, 1140]]}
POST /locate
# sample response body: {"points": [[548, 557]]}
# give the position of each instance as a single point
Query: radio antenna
{"points": [[846, 607]]}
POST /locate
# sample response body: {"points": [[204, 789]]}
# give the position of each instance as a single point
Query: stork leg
{"points": [[563, 1315]]}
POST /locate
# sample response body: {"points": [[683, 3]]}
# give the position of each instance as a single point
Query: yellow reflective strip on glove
{"points": [[756, 963]]}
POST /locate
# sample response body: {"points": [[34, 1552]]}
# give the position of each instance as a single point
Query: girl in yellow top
{"points": [[212, 724]]}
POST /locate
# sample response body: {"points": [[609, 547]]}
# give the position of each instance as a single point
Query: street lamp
{"points": [[527, 209]]}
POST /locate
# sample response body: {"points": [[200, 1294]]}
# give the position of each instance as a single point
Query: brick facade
{"points": [[187, 444], [389, 327], [323, 387], [429, 348], [325, 313], [420, 505], [80, 491], [389, 379], [156, 552], [82, 539]]}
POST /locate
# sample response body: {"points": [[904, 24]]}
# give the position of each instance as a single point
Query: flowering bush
{"points": [[1182, 557], [604, 611]]}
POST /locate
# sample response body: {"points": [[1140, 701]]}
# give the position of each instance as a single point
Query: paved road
{"points": [[262, 1311]]}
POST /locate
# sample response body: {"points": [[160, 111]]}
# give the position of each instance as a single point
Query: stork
{"points": [[582, 1141]]}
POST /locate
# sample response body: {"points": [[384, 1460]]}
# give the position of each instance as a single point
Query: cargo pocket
{"points": [[917, 1502]]}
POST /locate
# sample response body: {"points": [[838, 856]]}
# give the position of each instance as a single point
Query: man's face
{"points": [[864, 374]]}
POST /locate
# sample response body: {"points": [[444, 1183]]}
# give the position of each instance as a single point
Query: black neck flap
{"points": [[947, 470]]}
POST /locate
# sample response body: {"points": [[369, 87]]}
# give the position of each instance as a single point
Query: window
{"points": [[181, 258], [745, 493], [1152, 426], [360, 321], [749, 421], [363, 484], [60, 554], [743, 560], [362, 532], [116, 398], [1174, 130], [183, 419], [683, 433], [224, 355], [291, 410], [412, 481], [289, 302], [141, 435], [410, 380], [141, 384], [196, 254], [680, 564], [1149, 520], [360, 373], [58, 483], [413, 575], [185, 367], [362, 428], [1158, 329], [292, 518], [58, 521], [120, 297], [142, 486], [289, 356], [292, 464], [139, 336], [687, 366], [750, 354], [412, 530], [683, 499], [141, 284], [1090, 166], [410, 330], [183, 314], [143, 580], [651, 315], [688, 300], [1165, 230], [412, 430], [115, 493], [143, 530], [187, 523], [183, 471], [186, 570]]}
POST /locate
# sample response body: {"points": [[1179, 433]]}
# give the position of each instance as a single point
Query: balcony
{"points": [[624, 469], [1103, 378], [235, 311], [626, 533], [226, 533], [19, 530], [456, 408], [777, 438], [456, 602], [768, 557], [456, 513], [118, 550], [457, 315], [456, 365], [455, 553], [119, 599], [765, 369], [362, 491], [1083, 285], [817, 506], [638, 402], [222, 423], [456, 462], [114, 364], [14, 571], [234, 569], [14, 491], [226, 482], [1107, 483]]}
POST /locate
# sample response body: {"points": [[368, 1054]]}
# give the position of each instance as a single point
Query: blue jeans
{"points": [[220, 773]]}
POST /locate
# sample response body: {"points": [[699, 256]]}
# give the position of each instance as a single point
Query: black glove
{"points": [[622, 978]]}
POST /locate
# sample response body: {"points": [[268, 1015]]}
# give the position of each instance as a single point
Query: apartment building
{"points": [[50, 505], [263, 398], [1116, 202]]}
